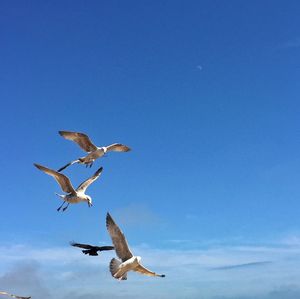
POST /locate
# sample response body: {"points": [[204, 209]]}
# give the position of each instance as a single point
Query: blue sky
{"points": [[207, 95]]}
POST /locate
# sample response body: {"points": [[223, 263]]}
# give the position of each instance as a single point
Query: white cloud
{"points": [[189, 273], [24, 278], [285, 292]]}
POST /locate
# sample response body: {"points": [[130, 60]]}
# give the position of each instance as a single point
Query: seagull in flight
{"points": [[73, 195], [94, 152], [14, 296], [90, 249], [129, 262]]}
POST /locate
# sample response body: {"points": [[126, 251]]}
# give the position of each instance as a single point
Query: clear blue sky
{"points": [[207, 95]]}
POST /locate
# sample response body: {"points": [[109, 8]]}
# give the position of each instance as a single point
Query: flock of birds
{"points": [[128, 262]]}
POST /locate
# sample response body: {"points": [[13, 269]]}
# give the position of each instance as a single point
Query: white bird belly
{"points": [[126, 266], [73, 199]]}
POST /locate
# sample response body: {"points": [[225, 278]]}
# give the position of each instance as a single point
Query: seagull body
{"points": [[94, 152], [74, 195], [129, 262], [90, 249], [14, 296]]}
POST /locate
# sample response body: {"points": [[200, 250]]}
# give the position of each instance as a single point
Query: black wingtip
{"points": [[98, 172], [108, 219], [163, 275], [38, 166], [64, 167]]}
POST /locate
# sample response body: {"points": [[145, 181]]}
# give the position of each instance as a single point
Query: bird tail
{"points": [[61, 196], [114, 267], [67, 165]]}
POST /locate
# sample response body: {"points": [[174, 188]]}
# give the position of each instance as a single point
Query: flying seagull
{"points": [[90, 249], [129, 262], [74, 195], [94, 152], [14, 296]]}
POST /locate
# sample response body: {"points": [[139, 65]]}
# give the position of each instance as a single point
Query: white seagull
{"points": [[74, 195], [14, 296], [129, 262], [94, 152]]}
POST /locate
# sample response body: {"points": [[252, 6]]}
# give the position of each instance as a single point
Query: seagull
{"points": [[14, 296], [90, 249], [129, 262], [74, 195], [94, 152]]}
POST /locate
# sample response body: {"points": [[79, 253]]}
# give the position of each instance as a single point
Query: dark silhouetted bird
{"points": [[90, 249]]}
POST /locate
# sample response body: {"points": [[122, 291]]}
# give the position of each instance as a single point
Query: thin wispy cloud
{"points": [[291, 240], [24, 278], [135, 214], [189, 272], [294, 43], [245, 265], [284, 292]]}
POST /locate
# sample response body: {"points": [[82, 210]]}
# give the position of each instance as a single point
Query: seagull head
{"points": [[89, 200]]}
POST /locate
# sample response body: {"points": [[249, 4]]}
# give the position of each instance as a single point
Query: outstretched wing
{"points": [[118, 147], [67, 165], [14, 296], [62, 180], [4, 293], [81, 139], [85, 246], [105, 248], [118, 239], [82, 187], [141, 269]]}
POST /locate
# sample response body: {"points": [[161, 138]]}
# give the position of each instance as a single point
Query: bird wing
{"points": [[4, 293], [82, 187], [141, 269], [62, 180], [104, 248], [118, 147], [81, 139], [118, 239], [14, 296], [67, 165], [85, 246]]}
